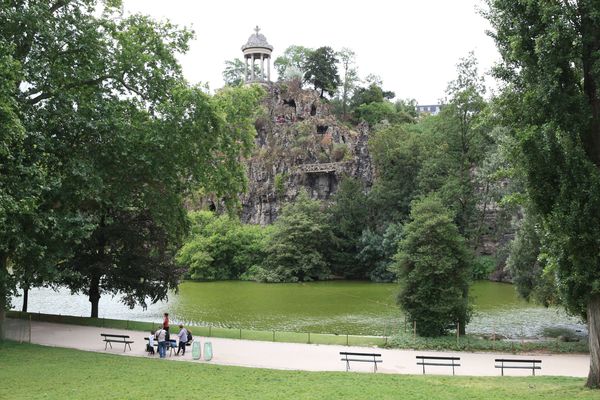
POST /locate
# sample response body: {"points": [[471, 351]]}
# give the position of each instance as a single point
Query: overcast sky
{"points": [[412, 45]]}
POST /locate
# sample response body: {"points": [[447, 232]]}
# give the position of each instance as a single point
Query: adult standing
{"points": [[183, 338], [161, 338], [166, 325]]}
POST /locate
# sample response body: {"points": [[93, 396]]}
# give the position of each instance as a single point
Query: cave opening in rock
{"points": [[321, 129], [211, 206], [290, 103], [313, 110]]}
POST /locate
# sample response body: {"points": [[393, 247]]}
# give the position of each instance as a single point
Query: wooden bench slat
{"points": [[423, 361], [440, 364], [518, 367], [110, 338]]}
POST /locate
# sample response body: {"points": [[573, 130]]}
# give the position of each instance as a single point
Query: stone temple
{"points": [[257, 50]]}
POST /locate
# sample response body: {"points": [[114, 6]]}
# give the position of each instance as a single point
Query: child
{"points": [[150, 345]]}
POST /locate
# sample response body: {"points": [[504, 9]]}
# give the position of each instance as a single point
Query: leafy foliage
{"points": [[550, 66], [298, 243], [321, 70], [221, 247], [121, 139], [292, 63], [436, 267]]}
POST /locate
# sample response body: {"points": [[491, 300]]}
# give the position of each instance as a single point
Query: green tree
{"points": [[550, 66], [221, 247], [297, 249], [16, 200], [527, 265], [292, 62], [435, 266], [349, 76], [351, 216], [124, 139], [397, 153], [377, 251], [234, 73], [458, 143], [321, 70]]}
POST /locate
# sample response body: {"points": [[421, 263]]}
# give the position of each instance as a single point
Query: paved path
{"points": [[291, 356]]}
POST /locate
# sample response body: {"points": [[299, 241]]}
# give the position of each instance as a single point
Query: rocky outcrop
{"points": [[300, 144]]}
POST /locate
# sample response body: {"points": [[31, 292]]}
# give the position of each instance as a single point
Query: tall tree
{"points": [[347, 59], [460, 139], [123, 139], [299, 242], [321, 70], [436, 267], [16, 200], [550, 55], [350, 216]]}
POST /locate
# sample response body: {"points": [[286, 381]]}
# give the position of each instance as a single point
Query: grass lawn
{"points": [[37, 372]]}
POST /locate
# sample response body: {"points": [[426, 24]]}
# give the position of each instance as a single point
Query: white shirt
{"points": [[161, 335]]}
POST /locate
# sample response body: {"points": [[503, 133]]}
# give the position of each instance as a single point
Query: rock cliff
{"points": [[300, 144]]}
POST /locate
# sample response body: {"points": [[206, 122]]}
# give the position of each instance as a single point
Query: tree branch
{"points": [[48, 94]]}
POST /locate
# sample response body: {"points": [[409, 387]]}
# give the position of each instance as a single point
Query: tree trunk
{"points": [[3, 292], [25, 298], [2, 311], [593, 314], [94, 295]]}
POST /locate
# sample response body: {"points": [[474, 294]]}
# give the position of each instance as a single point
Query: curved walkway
{"points": [[291, 356]]}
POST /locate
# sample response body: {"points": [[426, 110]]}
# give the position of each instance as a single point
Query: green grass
{"points": [[37, 372], [475, 343]]}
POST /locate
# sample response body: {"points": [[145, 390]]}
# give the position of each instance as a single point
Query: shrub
{"points": [[339, 152]]}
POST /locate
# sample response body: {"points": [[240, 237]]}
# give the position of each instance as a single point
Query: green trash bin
{"points": [[196, 349], [208, 351]]}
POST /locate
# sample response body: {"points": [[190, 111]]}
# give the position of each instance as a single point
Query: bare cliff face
{"points": [[300, 144]]}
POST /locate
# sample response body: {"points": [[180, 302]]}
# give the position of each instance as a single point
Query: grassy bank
{"points": [[36, 372]]}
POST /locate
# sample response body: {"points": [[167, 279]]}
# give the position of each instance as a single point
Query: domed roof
{"points": [[257, 40]]}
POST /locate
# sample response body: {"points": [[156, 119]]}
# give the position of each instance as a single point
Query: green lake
{"points": [[327, 307]]}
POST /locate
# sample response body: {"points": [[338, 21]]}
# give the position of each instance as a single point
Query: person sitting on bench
{"points": [[183, 338], [150, 345]]}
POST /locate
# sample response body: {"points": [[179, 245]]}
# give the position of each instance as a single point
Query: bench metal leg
{"points": [[423, 367], [347, 365], [452, 367]]}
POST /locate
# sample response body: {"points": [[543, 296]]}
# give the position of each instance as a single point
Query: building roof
{"points": [[257, 40]]}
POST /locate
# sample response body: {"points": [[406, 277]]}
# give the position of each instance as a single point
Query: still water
{"points": [[329, 307]]}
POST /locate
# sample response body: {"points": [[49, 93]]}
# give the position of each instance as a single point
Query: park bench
{"points": [[517, 363], [109, 338], [361, 357], [438, 362]]}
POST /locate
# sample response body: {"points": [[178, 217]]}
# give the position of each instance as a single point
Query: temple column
{"points": [[246, 70], [262, 67], [252, 66], [269, 69]]}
